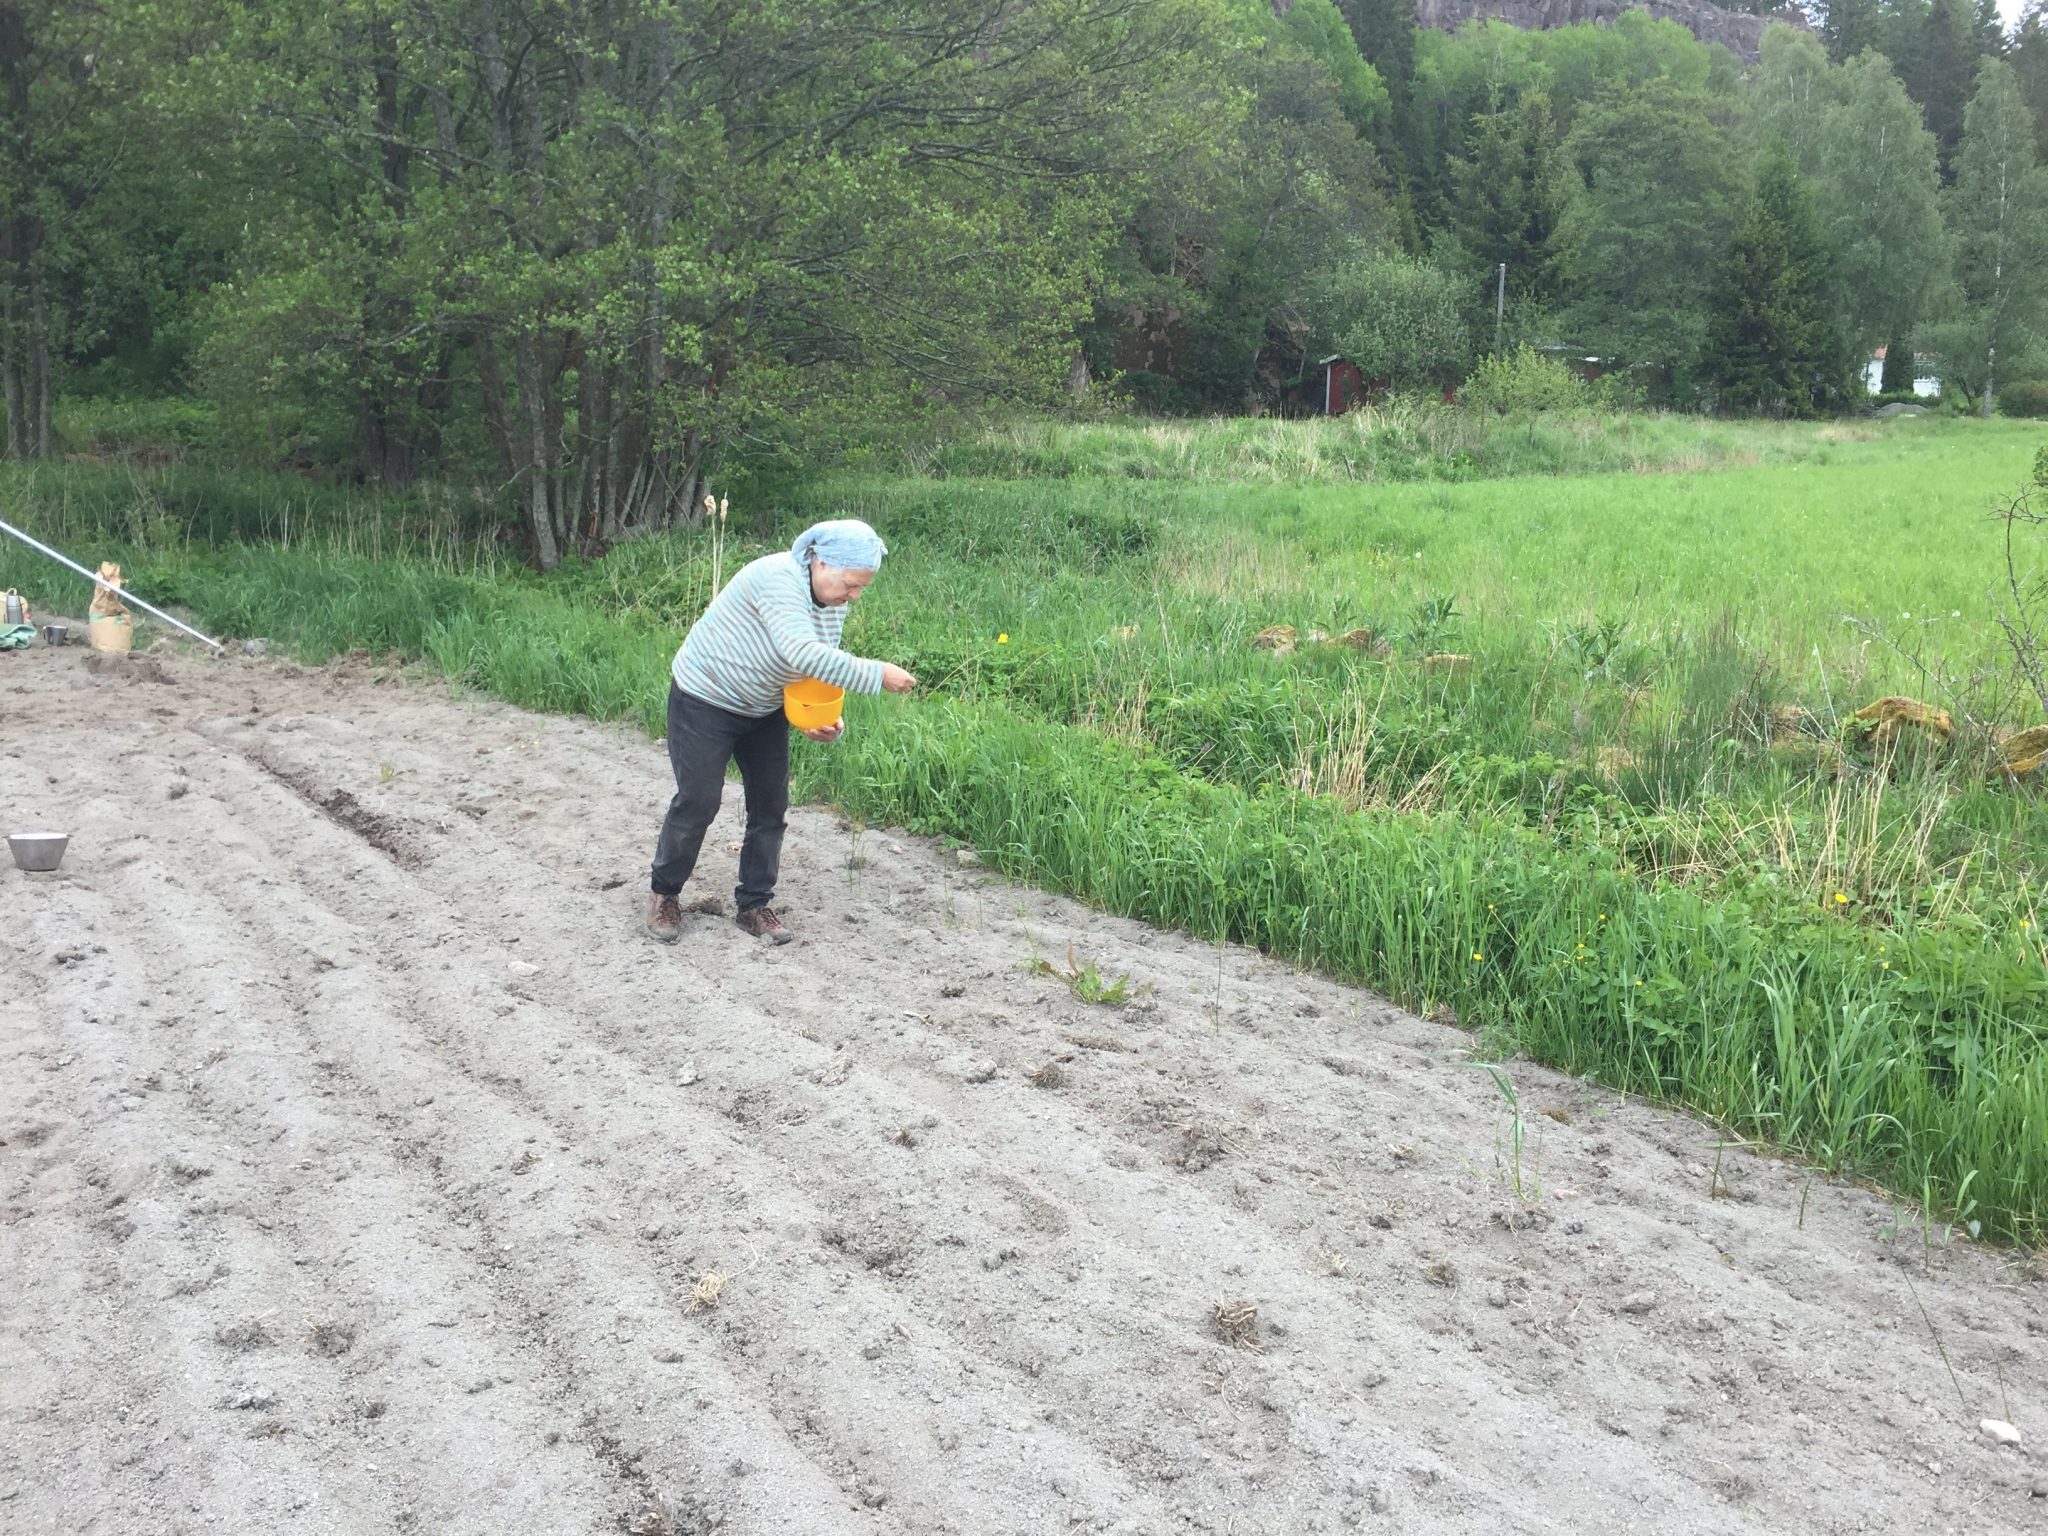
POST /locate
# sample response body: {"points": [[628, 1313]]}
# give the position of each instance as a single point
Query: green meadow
{"points": [[1551, 727]]}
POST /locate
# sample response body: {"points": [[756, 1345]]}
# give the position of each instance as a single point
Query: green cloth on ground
{"points": [[15, 637]]}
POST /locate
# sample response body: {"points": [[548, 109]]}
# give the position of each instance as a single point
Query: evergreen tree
{"points": [[2029, 55], [1361, 94], [1772, 341], [1755, 335], [1897, 375], [1505, 202], [1900, 23], [1990, 30], [1850, 26], [1385, 33], [1941, 71]]}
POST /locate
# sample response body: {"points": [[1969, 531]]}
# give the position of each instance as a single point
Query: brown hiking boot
{"points": [[762, 923], [664, 918]]}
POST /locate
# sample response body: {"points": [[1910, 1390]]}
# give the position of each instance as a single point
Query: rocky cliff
{"points": [[1739, 33]]}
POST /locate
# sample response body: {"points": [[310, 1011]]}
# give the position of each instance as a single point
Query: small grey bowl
{"points": [[56, 634], [38, 852]]}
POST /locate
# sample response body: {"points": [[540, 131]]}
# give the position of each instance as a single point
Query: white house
{"points": [[1873, 375]]}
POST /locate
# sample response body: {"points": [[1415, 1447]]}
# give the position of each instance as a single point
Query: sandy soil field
{"points": [[363, 1168]]}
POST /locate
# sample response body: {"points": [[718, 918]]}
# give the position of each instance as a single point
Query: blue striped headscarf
{"points": [[845, 542]]}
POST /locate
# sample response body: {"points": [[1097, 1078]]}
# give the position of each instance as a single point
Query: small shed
{"points": [[1343, 384]]}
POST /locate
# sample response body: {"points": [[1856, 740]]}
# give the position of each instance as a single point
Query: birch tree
{"points": [[1998, 215]]}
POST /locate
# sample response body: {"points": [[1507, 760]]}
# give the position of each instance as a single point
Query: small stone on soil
{"points": [[332, 1339], [1639, 1302]]}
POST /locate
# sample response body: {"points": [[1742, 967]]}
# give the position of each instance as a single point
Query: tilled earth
{"points": [[364, 1168]]}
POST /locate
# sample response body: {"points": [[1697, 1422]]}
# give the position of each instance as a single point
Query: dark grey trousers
{"points": [[702, 739]]}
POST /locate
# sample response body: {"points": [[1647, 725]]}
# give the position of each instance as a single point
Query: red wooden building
{"points": [[1343, 384]]}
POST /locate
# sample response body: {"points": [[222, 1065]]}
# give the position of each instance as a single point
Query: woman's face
{"points": [[835, 587]]}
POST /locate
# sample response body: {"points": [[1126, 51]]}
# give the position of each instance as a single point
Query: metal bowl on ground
{"points": [[38, 852]]}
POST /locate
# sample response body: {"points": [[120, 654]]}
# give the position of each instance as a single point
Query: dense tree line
{"points": [[590, 250]]}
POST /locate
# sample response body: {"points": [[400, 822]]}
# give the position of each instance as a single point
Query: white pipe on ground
{"points": [[120, 592]]}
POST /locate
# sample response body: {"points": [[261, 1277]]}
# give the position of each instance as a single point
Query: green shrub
{"points": [[1397, 318], [1523, 383], [170, 428], [2024, 397]]}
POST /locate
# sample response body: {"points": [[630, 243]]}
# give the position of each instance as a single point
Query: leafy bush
{"points": [[169, 428], [1523, 383], [1397, 318], [2024, 397]]}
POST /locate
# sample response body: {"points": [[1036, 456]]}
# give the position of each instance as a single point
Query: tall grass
{"points": [[1404, 439], [154, 509]]}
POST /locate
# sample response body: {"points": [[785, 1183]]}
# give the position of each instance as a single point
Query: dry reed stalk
{"points": [[709, 1287], [1238, 1322]]}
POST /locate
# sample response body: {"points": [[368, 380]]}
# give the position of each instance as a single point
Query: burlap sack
{"points": [[106, 604]]}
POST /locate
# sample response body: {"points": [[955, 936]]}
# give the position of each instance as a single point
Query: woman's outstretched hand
{"points": [[895, 679]]}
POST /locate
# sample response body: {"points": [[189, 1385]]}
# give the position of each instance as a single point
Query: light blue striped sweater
{"points": [[762, 633]]}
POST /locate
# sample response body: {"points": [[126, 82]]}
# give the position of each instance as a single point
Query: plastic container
{"points": [[810, 705]]}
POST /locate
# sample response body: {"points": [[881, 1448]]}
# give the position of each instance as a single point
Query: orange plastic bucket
{"points": [[811, 705]]}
